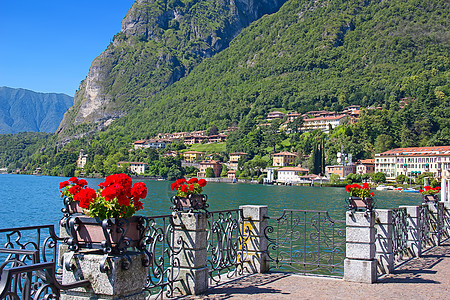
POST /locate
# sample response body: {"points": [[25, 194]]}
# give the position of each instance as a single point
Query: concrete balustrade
{"points": [[114, 284], [253, 240], [190, 244], [360, 264]]}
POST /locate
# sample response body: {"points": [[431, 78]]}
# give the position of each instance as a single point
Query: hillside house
{"points": [[215, 165], [192, 156], [234, 160], [284, 159], [323, 123], [135, 167], [275, 115]]}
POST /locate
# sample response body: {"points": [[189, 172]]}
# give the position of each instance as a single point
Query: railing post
{"points": [[384, 244], [253, 239], [190, 242], [415, 235], [360, 264], [124, 276], [436, 210]]}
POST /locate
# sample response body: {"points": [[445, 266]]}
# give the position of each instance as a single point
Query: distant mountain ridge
{"points": [[23, 110]]}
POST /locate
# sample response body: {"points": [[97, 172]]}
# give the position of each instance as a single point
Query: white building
{"points": [[290, 174], [418, 159], [323, 123], [152, 143], [135, 167], [82, 159]]}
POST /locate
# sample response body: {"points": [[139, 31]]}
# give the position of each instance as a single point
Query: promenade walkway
{"points": [[427, 277]]}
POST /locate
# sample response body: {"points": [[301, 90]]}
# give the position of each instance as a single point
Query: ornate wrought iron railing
{"points": [[424, 226], [41, 240], [307, 242], [225, 244], [400, 232], [162, 262], [28, 263]]}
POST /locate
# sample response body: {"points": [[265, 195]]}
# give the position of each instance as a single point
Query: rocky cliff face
{"points": [[27, 111], [160, 42]]}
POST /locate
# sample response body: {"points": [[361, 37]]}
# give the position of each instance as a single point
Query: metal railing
{"points": [[28, 263], [307, 241], [225, 244], [163, 266], [400, 232], [424, 226]]}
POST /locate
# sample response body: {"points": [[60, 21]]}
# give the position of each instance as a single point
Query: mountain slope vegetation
{"points": [[313, 55]]}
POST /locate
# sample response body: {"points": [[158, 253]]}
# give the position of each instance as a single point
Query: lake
{"points": [[35, 200]]}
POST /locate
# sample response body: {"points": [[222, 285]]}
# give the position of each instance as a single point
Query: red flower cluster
{"points": [[428, 190], [119, 186], [72, 187], [192, 187], [358, 190], [85, 197]]}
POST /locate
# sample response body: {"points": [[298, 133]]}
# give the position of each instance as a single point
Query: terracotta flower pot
{"points": [[72, 207], [192, 202], [358, 203], [430, 198], [110, 235]]}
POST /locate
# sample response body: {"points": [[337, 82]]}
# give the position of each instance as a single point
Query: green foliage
{"points": [[209, 173], [378, 177], [334, 179]]}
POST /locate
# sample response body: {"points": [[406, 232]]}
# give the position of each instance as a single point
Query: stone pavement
{"points": [[427, 277]]}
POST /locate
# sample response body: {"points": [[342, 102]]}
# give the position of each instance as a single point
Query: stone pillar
{"points": [[383, 244], [190, 242], [360, 264], [254, 241], [125, 276], [414, 232], [435, 227]]}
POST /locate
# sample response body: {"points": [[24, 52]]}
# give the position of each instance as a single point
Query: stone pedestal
{"points": [[124, 278], [384, 244], [190, 244], [254, 242], [414, 234], [360, 264]]}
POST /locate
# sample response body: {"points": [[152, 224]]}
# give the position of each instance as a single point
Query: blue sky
{"points": [[48, 46]]}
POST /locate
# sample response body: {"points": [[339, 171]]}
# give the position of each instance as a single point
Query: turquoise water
{"points": [[35, 200]]}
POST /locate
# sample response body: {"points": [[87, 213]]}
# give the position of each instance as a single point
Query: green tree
{"points": [[334, 179], [209, 173], [378, 177]]}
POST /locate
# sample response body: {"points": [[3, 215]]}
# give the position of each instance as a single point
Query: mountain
{"points": [[27, 111], [313, 55], [160, 42]]}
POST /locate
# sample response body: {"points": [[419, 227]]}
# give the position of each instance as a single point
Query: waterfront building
{"points": [[234, 160], [215, 165], [409, 161], [193, 156], [291, 174], [284, 159], [82, 159], [365, 166], [323, 123], [134, 167], [340, 170]]}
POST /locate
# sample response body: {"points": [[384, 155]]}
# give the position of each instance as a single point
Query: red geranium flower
{"points": [[82, 182], [75, 189], [139, 190], [202, 182], [192, 180], [74, 180], [63, 184]]}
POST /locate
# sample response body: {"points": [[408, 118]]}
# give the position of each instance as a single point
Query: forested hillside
{"points": [[315, 55], [160, 42]]}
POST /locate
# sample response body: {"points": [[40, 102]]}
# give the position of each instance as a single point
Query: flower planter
{"points": [[357, 203], [71, 207], [110, 235], [430, 198], [190, 203]]}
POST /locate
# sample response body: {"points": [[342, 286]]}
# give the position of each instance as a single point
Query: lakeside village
{"points": [[401, 165]]}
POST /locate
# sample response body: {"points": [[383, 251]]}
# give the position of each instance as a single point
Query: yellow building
{"points": [[192, 156], [284, 159]]}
